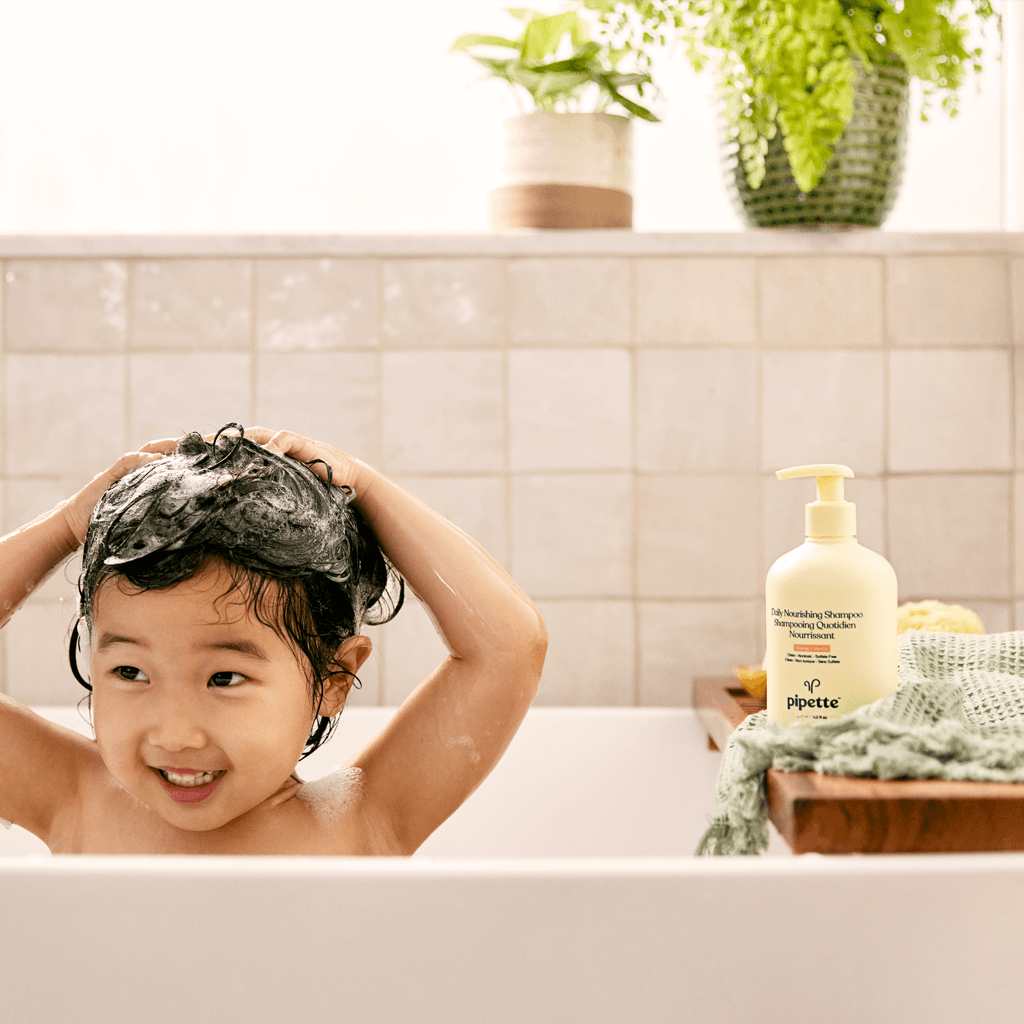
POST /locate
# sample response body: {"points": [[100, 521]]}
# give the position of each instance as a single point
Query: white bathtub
{"points": [[563, 891]]}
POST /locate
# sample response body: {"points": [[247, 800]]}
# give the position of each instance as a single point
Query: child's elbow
{"points": [[534, 646], [516, 648]]}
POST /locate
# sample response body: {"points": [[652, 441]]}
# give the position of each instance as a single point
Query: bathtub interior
{"points": [[575, 782]]}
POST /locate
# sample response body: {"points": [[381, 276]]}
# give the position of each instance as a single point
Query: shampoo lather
{"points": [[831, 613]]}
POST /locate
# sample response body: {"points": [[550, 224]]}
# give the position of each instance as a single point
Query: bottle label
{"points": [[812, 650]]}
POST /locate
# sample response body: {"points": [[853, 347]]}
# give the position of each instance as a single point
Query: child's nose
{"points": [[176, 725]]}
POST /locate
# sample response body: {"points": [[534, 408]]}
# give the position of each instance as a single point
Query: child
{"points": [[222, 591]]}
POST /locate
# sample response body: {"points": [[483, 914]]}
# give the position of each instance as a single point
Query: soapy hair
{"points": [[295, 547]]}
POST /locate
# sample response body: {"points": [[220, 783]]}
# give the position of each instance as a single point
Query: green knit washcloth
{"points": [[958, 714]]}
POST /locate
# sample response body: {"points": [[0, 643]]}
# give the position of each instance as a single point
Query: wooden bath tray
{"points": [[835, 814]]}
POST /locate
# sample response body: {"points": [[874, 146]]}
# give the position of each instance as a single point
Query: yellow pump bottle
{"points": [[831, 613]]}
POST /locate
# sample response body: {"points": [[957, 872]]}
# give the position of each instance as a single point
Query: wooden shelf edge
{"points": [[835, 814]]}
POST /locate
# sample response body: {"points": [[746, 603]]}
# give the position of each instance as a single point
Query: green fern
{"points": [[791, 64]]}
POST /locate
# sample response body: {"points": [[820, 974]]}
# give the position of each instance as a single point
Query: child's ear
{"points": [[351, 655]]}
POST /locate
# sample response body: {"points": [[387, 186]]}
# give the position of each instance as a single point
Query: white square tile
{"points": [[477, 505], [443, 412], [444, 302], [36, 648], [823, 407], [412, 650], [1018, 407], [953, 301], [569, 301], [996, 616], [170, 395], [569, 409], [65, 305], [949, 410], [65, 415], [949, 536], [590, 653], [695, 301], [191, 304], [818, 301], [680, 640], [572, 535], [696, 410], [309, 305], [329, 396], [697, 537]]}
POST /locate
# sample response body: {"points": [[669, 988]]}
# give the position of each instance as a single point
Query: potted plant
{"points": [[815, 93], [568, 161]]}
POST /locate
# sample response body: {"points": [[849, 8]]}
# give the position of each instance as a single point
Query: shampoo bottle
{"points": [[831, 614]]}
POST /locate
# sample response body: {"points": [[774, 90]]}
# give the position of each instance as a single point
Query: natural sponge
{"points": [[936, 617]]}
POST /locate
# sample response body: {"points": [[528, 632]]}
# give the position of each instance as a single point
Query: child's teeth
{"points": [[189, 781]]}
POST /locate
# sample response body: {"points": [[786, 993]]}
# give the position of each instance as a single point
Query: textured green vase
{"points": [[861, 180]]}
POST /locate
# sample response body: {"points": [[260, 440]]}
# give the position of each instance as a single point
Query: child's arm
{"points": [[39, 761], [452, 730]]}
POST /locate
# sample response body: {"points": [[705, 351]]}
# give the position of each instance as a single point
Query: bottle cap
{"points": [[830, 515]]}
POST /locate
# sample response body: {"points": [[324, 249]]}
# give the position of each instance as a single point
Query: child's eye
{"points": [[131, 672], [226, 678]]}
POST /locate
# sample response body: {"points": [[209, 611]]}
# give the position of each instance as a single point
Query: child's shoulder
{"points": [[43, 767], [338, 818]]}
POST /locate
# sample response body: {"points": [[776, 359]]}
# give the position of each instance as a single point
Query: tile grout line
{"points": [[506, 411], [506, 404], [254, 363], [634, 454], [378, 298], [886, 411], [759, 404], [1012, 490], [126, 353]]}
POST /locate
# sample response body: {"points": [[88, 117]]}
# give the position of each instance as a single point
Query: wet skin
{"points": [[187, 678]]}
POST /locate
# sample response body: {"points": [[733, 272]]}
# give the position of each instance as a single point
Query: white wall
{"points": [[294, 116]]}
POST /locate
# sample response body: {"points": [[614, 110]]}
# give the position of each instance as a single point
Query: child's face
{"points": [[187, 678]]}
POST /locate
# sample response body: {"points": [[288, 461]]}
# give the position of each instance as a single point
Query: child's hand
{"points": [[344, 468], [78, 509]]}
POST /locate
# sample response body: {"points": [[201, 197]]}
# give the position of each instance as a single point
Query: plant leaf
{"points": [[544, 34], [464, 42]]}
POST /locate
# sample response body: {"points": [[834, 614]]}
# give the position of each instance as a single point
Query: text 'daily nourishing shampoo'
{"points": [[831, 614]]}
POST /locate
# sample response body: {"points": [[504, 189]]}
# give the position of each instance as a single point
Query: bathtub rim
{"points": [[413, 868]]}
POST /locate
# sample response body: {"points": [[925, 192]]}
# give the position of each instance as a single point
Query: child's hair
{"points": [[296, 547]]}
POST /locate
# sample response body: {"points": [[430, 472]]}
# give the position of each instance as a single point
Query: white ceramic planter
{"points": [[565, 171]]}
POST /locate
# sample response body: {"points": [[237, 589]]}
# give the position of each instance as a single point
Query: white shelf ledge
{"points": [[758, 242]]}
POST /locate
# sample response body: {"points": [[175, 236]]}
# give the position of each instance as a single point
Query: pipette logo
{"points": [[800, 703]]}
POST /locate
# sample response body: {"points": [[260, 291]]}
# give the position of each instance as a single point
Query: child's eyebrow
{"points": [[109, 639], [253, 650], [241, 646]]}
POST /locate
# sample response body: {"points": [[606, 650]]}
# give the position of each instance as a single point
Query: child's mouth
{"points": [[188, 788]]}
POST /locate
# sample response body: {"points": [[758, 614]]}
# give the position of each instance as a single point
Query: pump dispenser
{"points": [[831, 613], [830, 515]]}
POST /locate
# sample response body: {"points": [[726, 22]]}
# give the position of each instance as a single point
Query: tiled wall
{"points": [[606, 426]]}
